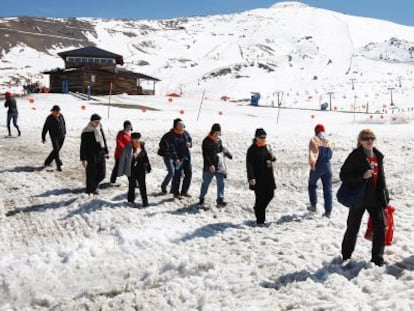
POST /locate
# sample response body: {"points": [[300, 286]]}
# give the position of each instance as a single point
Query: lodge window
{"points": [[93, 78], [90, 60]]}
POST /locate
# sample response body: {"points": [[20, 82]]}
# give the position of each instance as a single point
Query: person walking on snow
{"points": [[260, 174], [365, 165], [135, 164], [55, 125], [12, 113], [122, 139], [164, 152], [93, 151], [179, 144], [319, 156], [214, 166]]}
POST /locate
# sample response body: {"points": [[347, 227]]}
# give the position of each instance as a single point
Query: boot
{"points": [[18, 132], [8, 129], [221, 203]]}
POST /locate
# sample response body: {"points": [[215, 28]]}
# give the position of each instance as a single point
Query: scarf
{"points": [[97, 132], [261, 143], [369, 152], [213, 137]]}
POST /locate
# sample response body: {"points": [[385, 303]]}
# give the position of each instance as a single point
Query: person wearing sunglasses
{"points": [[365, 165], [260, 174]]}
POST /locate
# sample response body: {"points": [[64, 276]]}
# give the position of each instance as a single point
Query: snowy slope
{"points": [[230, 53]]}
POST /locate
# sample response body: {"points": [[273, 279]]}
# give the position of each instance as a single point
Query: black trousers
{"points": [[133, 181], [95, 173], [352, 229], [263, 199], [175, 186], [57, 144], [114, 171]]}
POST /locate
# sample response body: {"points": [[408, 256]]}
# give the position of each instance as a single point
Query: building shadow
{"points": [[40, 207], [208, 231], [349, 270], [398, 268]]}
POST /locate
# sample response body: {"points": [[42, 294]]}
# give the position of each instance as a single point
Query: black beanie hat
{"points": [[127, 124], [260, 132], [136, 135], [176, 122], [95, 117], [215, 128]]}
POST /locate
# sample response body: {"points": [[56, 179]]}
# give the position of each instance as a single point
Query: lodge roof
{"points": [[92, 51], [118, 71]]}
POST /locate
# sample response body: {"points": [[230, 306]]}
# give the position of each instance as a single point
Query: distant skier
{"points": [[55, 125], [319, 156], [12, 113]]}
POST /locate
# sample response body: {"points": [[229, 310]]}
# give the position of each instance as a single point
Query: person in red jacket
{"points": [[122, 139]]}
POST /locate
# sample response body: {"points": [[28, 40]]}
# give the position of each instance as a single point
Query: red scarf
{"points": [[261, 143], [136, 145]]}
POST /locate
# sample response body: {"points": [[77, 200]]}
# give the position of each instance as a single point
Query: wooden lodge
{"points": [[94, 70]]}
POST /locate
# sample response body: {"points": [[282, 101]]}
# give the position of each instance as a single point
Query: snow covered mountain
{"points": [[282, 47]]}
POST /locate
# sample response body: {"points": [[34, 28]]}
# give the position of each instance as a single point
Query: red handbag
{"points": [[389, 226]]}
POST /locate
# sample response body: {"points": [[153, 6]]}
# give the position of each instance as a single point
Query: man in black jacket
{"points": [[55, 125], [12, 113], [93, 152]]}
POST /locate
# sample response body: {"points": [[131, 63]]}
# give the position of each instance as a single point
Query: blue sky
{"points": [[399, 11]]}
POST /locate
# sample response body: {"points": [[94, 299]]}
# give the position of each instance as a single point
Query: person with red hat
{"points": [[319, 157], [12, 113]]}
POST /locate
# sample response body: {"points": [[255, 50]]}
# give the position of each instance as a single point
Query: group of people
{"points": [[364, 165]]}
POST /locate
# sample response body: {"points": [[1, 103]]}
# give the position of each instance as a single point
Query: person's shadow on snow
{"points": [[208, 231], [349, 270], [397, 269], [23, 169], [40, 207]]}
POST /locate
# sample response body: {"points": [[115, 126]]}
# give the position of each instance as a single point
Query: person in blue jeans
{"points": [[214, 166], [320, 154]]}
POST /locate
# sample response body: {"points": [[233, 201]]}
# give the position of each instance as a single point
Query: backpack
{"points": [[163, 145]]}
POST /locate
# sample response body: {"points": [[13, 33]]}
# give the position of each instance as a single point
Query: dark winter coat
{"points": [[90, 149], [55, 126], [259, 166], [177, 146], [164, 150], [211, 149], [352, 172], [130, 166], [11, 104]]}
